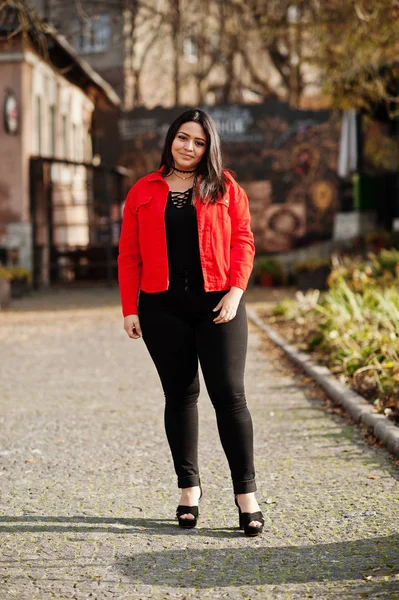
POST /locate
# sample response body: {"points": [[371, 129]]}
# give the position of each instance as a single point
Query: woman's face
{"points": [[189, 146]]}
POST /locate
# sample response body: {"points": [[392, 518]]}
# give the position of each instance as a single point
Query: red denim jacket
{"points": [[226, 242]]}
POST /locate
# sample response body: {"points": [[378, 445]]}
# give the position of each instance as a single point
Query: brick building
{"points": [[49, 96]]}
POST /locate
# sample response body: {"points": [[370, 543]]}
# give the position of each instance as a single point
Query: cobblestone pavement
{"points": [[88, 490]]}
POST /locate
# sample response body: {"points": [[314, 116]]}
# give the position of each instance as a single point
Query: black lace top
{"points": [[182, 235]]}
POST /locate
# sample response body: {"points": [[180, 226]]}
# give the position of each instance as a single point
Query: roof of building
{"points": [[58, 51], [8, 19]]}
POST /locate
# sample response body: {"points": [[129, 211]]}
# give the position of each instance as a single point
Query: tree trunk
{"points": [[177, 48], [130, 12]]}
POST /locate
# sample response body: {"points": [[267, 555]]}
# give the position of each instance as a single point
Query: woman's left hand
{"points": [[228, 305]]}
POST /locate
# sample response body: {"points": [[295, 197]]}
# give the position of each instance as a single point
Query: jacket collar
{"points": [[156, 175]]}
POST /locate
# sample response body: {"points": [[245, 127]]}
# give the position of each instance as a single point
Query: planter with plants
{"points": [[379, 270], [312, 273], [376, 240], [269, 271], [354, 332], [5, 287], [20, 281]]}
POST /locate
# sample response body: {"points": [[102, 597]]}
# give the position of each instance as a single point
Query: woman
{"points": [[186, 249]]}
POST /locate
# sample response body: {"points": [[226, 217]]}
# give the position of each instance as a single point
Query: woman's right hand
{"points": [[131, 325]]}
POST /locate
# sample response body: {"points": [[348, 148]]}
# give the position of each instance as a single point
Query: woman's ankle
{"points": [[190, 490], [247, 499]]}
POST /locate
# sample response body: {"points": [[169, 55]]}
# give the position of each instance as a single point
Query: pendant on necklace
{"points": [[184, 176]]}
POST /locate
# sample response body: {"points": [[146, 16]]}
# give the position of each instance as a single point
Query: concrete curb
{"points": [[356, 405]]}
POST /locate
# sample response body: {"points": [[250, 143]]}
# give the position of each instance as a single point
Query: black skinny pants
{"points": [[178, 329]]}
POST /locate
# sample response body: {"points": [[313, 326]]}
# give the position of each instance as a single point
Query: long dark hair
{"points": [[210, 177]]}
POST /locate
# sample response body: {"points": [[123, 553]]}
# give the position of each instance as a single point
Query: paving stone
{"points": [[88, 490]]}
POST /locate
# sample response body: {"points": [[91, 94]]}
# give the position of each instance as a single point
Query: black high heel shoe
{"points": [[184, 510], [245, 520]]}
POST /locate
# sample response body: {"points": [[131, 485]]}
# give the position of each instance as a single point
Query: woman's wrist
{"points": [[239, 291]]}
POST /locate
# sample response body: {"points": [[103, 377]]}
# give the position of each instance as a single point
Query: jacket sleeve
{"points": [[129, 259], [242, 248]]}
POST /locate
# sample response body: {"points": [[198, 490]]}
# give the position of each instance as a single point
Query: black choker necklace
{"points": [[180, 171]]}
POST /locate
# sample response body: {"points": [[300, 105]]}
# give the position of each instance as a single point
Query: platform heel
{"points": [[184, 510], [245, 519]]}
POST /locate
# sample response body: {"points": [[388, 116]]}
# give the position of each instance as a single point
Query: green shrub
{"points": [[378, 270], [269, 265], [311, 265], [389, 260], [5, 273], [354, 330], [361, 332], [285, 309], [18, 272], [15, 272]]}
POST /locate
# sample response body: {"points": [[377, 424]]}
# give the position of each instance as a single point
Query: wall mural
{"points": [[284, 158]]}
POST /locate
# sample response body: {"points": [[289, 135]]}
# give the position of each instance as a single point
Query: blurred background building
{"points": [[276, 76], [176, 52], [47, 178]]}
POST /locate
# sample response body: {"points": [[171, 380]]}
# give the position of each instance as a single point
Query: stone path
{"points": [[88, 490]]}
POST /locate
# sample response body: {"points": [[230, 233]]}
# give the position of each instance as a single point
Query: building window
{"points": [[92, 35], [52, 130], [77, 143], [74, 143], [65, 135], [88, 147], [190, 50], [39, 124]]}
